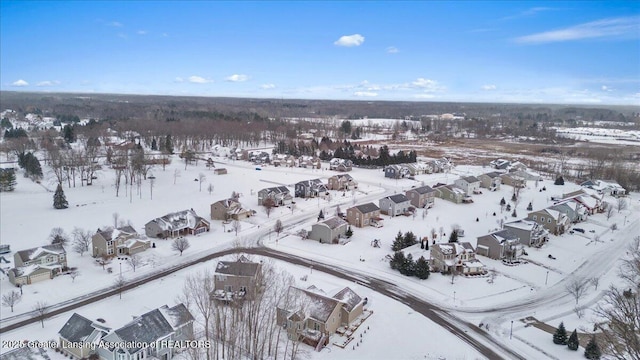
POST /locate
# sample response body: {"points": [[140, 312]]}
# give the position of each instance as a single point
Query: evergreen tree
{"points": [[422, 268], [408, 267], [154, 144], [7, 180], [397, 261], [592, 351], [59, 200], [503, 202], [409, 239], [6, 123], [559, 180], [320, 216], [349, 232], [68, 134], [560, 336], [398, 243], [514, 214], [454, 236], [530, 207], [168, 145], [32, 166], [573, 343], [513, 197]]}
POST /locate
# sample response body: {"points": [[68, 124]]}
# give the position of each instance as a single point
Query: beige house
{"points": [[312, 316], [364, 215], [458, 257], [502, 244], [235, 280], [114, 242], [554, 221], [80, 330], [38, 264], [490, 180], [513, 180], [229, 209], [422, 197], [328, 231], [180, 223], [342, 182]]}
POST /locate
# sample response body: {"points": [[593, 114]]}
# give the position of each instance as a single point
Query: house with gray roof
{"points": [[328, 231], [279, 194], [530, 233], [80, 330], [452, 193], [229, 209], [236, 280], [38, 264], [364, 215], [124, 240], [339, 164], [176, 224], [490, 180], [310, 188], [396, 171], [312, 316], [513, 180], [502, 244], [469, 184], [394, 205], [554, 221], [422, 197], [459, 257], [342, 182], [157, 327]]}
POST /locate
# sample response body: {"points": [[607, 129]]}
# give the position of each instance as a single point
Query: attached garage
{"points": [[39, 275]]}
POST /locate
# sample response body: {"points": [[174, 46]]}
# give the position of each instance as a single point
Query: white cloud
{"points": [[488, 87], [198, 80], [392, 50], [606, 88], [20, 83], [528, 13], [237, 78], [426, 85], [620, 27], [142, 32], [424, 96], [178, 79], [115, 24], [365, 93], [350, 40], [47, 83], [267, 86]]}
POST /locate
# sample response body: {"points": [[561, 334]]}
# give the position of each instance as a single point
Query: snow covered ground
{"points": [[27, 217], [601, 135]]}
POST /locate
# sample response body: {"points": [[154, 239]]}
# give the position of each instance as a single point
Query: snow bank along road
{"points": [[469, 333]]}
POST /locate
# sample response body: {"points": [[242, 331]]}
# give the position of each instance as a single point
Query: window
{"points": [[228, 288], [549, 221], [109, 251], [541, 218], [535, 217]]}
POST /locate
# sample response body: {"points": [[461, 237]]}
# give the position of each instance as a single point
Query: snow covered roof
{"points": [[367, 208], [77, 328], [470, 179], [492, 174], [522, 224], [238, 268], [179, 220], [334, 222], [423, 189], [505, 235], [312, 304], [398, 198], [34, 253], [348, 297]]}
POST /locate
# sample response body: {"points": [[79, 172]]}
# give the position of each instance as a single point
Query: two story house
{"points": [[364, 215], [310, 189], [469, 184], [172, 225], [236, 280], [513, 180], [529, 232], [328, 231], [80, 330], [554, 221], [342, 165], [502, 244], [38, 264], [124, 240], [490, 180], [458, 257], [422, 197], [279, 194], [229, 209], [342, 182], [394, 205], [396, 171], [453, 194]]}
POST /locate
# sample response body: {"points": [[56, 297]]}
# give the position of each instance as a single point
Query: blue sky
{"points": [[539, 52]]}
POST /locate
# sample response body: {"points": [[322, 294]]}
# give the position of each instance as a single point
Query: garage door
{"points": [[40, 277]]}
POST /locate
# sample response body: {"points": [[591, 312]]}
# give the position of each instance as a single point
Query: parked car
{"points": [[580, 230]]}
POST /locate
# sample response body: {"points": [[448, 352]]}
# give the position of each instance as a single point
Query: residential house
{"points": [[490, 180], [279, 194], [328, 231], [517, 166], [575, 211], [312, 317], [38, 264], [124, 240], [502, 244], [310, 162], [156, 334], [525, 174], [342, 182], [459, 257], [257, 157], [554, 221], [394, 205], [422, 197], [607, 187], [469, 184], [592, 203], [419, 168], [500, 164], [513, 180], [310, 189], [342, 165], [529, 232], [238, 279], [440, 165], [220, 171], [453, 194], [172, 225], [396, 171], [364, 215], [80, 330], [229, 209], [283, 160]]}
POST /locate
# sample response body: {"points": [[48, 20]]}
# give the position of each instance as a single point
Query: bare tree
{"points": [[210, 188], [180, 245], [11, 298], [595, 281], [104, 260], [196, 296], [152, 182], [621, 204], [268, 204], [577, 287], [201, 178], [176, 175], [236, 226], [621, 311], [58, 236], [81, 240], [115, 217], [40, 309], [74, 274], [119, 282], [630, 267], [434, 233], [278, 227], [135, 261]]}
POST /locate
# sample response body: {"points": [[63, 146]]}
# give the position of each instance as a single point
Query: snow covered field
{"points": [[534, 289], [601, 135]]}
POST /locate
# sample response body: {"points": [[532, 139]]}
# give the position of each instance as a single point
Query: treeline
{"points": [[383, 158]]}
